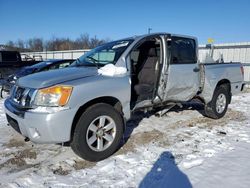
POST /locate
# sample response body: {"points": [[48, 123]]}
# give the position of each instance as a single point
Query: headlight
{"points": [[53, 96]]}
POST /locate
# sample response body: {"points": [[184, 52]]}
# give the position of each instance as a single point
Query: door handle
{"points": [[196, 69]]}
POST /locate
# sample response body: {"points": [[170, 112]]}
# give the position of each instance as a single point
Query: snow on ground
{"points": [[181, 149]]}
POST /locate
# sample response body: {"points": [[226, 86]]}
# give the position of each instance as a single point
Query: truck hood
{"points": [[53, 77]]}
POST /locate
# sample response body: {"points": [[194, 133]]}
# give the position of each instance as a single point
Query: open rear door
{"points": [[183, 78]]}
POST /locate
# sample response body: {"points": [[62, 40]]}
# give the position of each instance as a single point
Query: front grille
{"points": [[22, 96]]}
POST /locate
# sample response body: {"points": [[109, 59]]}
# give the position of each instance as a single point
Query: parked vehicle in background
{"points": [[26, 57], [11, 61], [9, 58], [39, 67], [89, 103]]}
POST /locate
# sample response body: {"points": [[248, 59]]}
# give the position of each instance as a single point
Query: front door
{"points": [[146, 59], [183, 78]]}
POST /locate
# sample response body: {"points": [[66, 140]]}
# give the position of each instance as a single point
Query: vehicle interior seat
{"points": [[147, 76]]}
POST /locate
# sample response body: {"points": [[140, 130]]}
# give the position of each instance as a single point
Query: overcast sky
{"points": [[222, 20]]}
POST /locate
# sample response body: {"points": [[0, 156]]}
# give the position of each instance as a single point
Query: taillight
{"points": [[242, 70]]}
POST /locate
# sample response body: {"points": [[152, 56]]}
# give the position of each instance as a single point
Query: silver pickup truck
{"points": [[89, 108]]}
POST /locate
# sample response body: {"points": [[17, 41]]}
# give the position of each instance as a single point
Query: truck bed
{"points": [[212, 72]]}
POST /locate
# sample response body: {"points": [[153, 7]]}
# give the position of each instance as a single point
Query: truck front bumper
{"points": [[40, 127]]}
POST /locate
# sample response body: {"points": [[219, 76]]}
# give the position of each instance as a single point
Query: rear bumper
{"points": [[41, 127], [237, 87]]}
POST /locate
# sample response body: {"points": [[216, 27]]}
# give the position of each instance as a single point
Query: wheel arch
{"points": [[224, 81], [106, 99], [227, 84]]}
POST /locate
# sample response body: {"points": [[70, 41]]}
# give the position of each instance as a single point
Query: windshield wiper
{"points": [[95, 61], [79, 63]]}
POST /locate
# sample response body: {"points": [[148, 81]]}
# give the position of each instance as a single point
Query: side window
{"points": [[183, 51], [59, 66], [64, 65], [52, 67], [134, 56]]}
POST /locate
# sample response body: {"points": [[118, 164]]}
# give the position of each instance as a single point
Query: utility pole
{"points": [[149, 30]]}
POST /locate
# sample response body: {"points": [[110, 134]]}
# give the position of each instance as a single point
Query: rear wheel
{"points": [[217, 108], [98, 132]]}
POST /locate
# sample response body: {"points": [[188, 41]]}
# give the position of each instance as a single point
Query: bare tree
{"points": [[83, 42], [35, 44], [53, 44], [20, 44], [10, 44]]}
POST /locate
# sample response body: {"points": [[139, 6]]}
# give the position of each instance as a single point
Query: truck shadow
{"points": [[137, 116], [165, 173], [191, 105]]}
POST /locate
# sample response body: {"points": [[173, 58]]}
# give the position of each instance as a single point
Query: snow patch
{"points": [[179, 149], [192, 164], [112, 70], [191, 156], [48, 110]]}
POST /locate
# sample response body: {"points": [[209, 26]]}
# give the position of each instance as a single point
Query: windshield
{"points": [[104, 54]]}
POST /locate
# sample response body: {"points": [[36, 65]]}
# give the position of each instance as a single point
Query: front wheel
{"points": [[217, 108], [3, 94], [98, 132]]}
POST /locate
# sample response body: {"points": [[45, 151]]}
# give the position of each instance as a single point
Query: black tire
{"points": [[79, 142], [212, 109], [3, 94]]}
